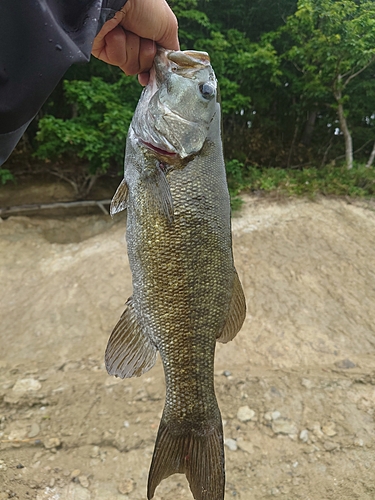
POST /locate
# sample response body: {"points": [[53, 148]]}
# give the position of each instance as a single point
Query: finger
{"points": [[99, 43], [114, 51], [147, 52], [143, 78], [132, 49]]}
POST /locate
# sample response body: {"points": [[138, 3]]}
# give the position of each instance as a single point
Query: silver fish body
{"points": [[186, 292]]}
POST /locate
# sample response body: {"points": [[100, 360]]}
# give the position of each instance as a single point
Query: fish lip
{"points": [[159, 151]]}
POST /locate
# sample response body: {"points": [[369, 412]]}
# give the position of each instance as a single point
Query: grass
{"points": [[330, 180]]}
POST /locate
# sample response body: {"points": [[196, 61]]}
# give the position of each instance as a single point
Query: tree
{"points": [[332, 43]]}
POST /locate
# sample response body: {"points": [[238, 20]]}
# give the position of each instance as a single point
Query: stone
{"points": [[26, 385], [307, 383], [75, 473], [317, 430], [330, 445], [304, 435], [231, 444], [245, 414], [284, 426], [83, 481], [245, 446], [34, 431], [74, 491], [51, 443], [329, 429], [95, 452], [345, 364], [126, 486]]}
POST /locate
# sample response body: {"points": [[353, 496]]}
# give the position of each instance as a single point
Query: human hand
{"points": [[129, 39]]}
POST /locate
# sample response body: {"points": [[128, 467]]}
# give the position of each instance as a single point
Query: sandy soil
{"points": [[296, 387]]}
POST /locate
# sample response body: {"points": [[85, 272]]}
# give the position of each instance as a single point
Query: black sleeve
{"points": [[39, 41]]}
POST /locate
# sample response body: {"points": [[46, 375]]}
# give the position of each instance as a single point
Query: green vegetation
{"points": [[297, 81], [5, 176]]}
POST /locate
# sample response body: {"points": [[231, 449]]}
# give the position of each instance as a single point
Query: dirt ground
{"points": [[296, 387]]}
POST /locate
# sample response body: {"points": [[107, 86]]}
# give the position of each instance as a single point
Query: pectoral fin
{"points": [[119, 200], [130, 352], [159, 192], [237, 313]]}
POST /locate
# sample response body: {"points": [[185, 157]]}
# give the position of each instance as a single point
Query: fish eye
{"points": [[207, 90]]}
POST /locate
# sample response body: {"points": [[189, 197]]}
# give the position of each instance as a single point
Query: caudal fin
{"points": [[198, 454]]}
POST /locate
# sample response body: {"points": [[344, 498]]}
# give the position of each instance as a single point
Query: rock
{"points": [[275, 492], [74, 491], [304, 435], [345, 364], [329, 429], [3, 466], [34, 431], [26, 385], [307, 383], [83, 481], [272, 415], [95, 452], [126, 486], [231, 444], [245, 445], [330, 446], [75, 473], [284, 426], [245, 414], [317, 430], [50, 443]]}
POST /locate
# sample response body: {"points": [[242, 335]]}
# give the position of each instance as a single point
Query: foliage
{"points": [[5, 176], [96, 132], [292, 74]]}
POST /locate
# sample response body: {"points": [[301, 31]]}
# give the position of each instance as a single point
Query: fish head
{"points": [[178, 105]]}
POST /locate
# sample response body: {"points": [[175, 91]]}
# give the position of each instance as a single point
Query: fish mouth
{"points": [[157, 150], [186, 62]]}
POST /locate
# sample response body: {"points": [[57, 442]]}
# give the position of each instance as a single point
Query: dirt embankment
{"points": [[296, 387]]}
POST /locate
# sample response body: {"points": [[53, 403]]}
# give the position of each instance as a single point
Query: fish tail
{"points": [[197, 453]]}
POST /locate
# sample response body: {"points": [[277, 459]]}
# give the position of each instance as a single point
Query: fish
{"points": [[186, 291]]}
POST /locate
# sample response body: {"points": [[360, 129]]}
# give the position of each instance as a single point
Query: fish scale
{"points": [[186, 292]]}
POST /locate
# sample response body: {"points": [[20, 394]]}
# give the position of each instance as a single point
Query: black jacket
{"points": [[39, 41]]}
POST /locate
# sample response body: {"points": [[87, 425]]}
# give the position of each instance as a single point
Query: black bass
{"points": [[186, 292]]}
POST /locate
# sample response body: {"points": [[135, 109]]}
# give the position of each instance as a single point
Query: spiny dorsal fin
{"points": [[130, 352], [119, 200], [237, 313], [199, 455]]}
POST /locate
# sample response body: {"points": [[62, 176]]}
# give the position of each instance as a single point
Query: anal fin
{"points": [[130, 352], [237, 313]]}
